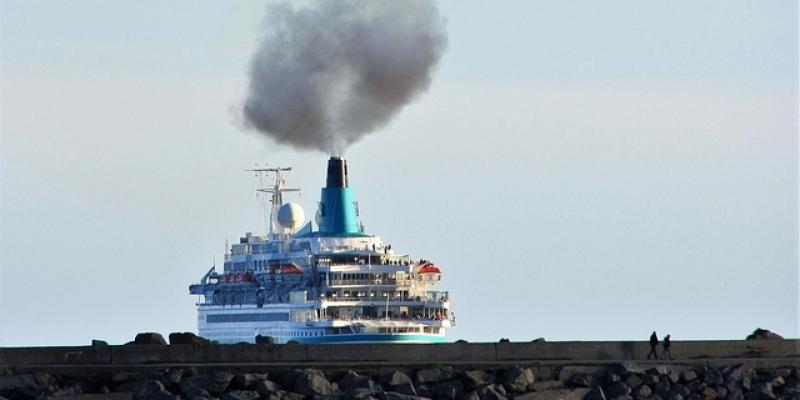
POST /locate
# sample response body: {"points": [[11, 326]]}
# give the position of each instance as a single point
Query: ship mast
{"points": [[277, 191]]}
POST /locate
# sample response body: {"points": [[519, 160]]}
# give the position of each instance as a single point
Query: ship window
{"points": [[220, 318]]}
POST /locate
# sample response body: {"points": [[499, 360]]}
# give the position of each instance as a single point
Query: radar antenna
{"points": [[277, 191]]}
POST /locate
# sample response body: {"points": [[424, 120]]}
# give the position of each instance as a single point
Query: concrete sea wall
{"points": [[394, 354]]}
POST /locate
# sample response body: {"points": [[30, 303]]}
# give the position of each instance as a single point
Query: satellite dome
{"points": [[291, 216]]}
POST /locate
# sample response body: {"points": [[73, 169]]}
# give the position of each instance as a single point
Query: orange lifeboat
{"points": [[291, 269], [430, 268]]}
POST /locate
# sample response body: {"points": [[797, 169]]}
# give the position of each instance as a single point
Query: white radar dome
{"points": [[291, 216]]}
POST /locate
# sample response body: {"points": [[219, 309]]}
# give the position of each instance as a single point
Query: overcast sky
{"points": [[580, 170]]}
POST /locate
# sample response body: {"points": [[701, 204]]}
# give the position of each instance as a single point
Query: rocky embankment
{"points": [[627, 381]]}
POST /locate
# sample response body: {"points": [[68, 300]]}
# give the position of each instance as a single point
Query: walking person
{"points": [[653, 345], [667, 343]]}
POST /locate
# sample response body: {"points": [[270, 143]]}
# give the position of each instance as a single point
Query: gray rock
{"points": [[174, 376], [763, 390], [99, 343], [580, 380], [249, 379], [674, 376], [150, 338], [215, 383], [492, 392], [642, 391], [24, 384], [154, 390], [633, 381], [545, 385], [266, 388], [312, 382], [284, 395], [650, 379], [200, 395], [434, 375], [735, 395], [722, 392], [448, 390], [618, 389], [675, 396], [662, 388], [473, 395], [595, 393], [628, 367], [713, 377], [709, 393], [764, 334], [407, 388], [555, 394], [352, 381], [735, 374], [474, 379], [241, 395], [680, 389], [400, 396], [688, 376], [187, 338], [395, 378], [518, 379]]}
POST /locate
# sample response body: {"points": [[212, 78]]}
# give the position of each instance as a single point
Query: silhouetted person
{"points": [[653, 345], [667, 343]]}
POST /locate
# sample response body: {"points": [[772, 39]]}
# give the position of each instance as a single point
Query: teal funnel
{"points": [[338, 213]]}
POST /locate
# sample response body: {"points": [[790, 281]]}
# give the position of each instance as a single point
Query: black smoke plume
{"points": [[326, 74]]}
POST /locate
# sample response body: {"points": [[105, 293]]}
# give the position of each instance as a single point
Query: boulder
{"points": [[284, 395], [688, 376], [763, 390], [20, 384], [618, 389], [215, 383], [764, 334], [99, 343], [476, 378], [400, 396], [399, 382], [555, 394], [709, 393], [174, 376], [448, 390], [354, 380], [312, 382], [434, 375], [266, 388], [633, 381], [241, 395], [518, 379], [642, 391], [649, 379], [545, 385], [249, 379], [154, 390], [580, 380], [595, 393], [150, 338], [713, 377], [187, 338], [680, 389], [492, 392]]}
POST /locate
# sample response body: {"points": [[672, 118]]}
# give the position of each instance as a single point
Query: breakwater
{"points": [[702, 370]]}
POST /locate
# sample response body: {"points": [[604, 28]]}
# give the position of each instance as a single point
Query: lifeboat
{"points": [[429, 268], [291, 269]]}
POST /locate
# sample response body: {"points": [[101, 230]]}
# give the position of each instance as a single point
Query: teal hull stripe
{"points": [[374, 338]]}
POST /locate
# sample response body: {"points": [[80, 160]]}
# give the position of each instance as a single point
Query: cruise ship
{"points": [[322, 281]]}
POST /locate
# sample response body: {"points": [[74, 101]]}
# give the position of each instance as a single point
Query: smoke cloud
{"points": [[329, 73]]}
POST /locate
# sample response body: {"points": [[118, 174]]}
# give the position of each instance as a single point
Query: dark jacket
{"points": [[653, 340], [667, 342]]}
